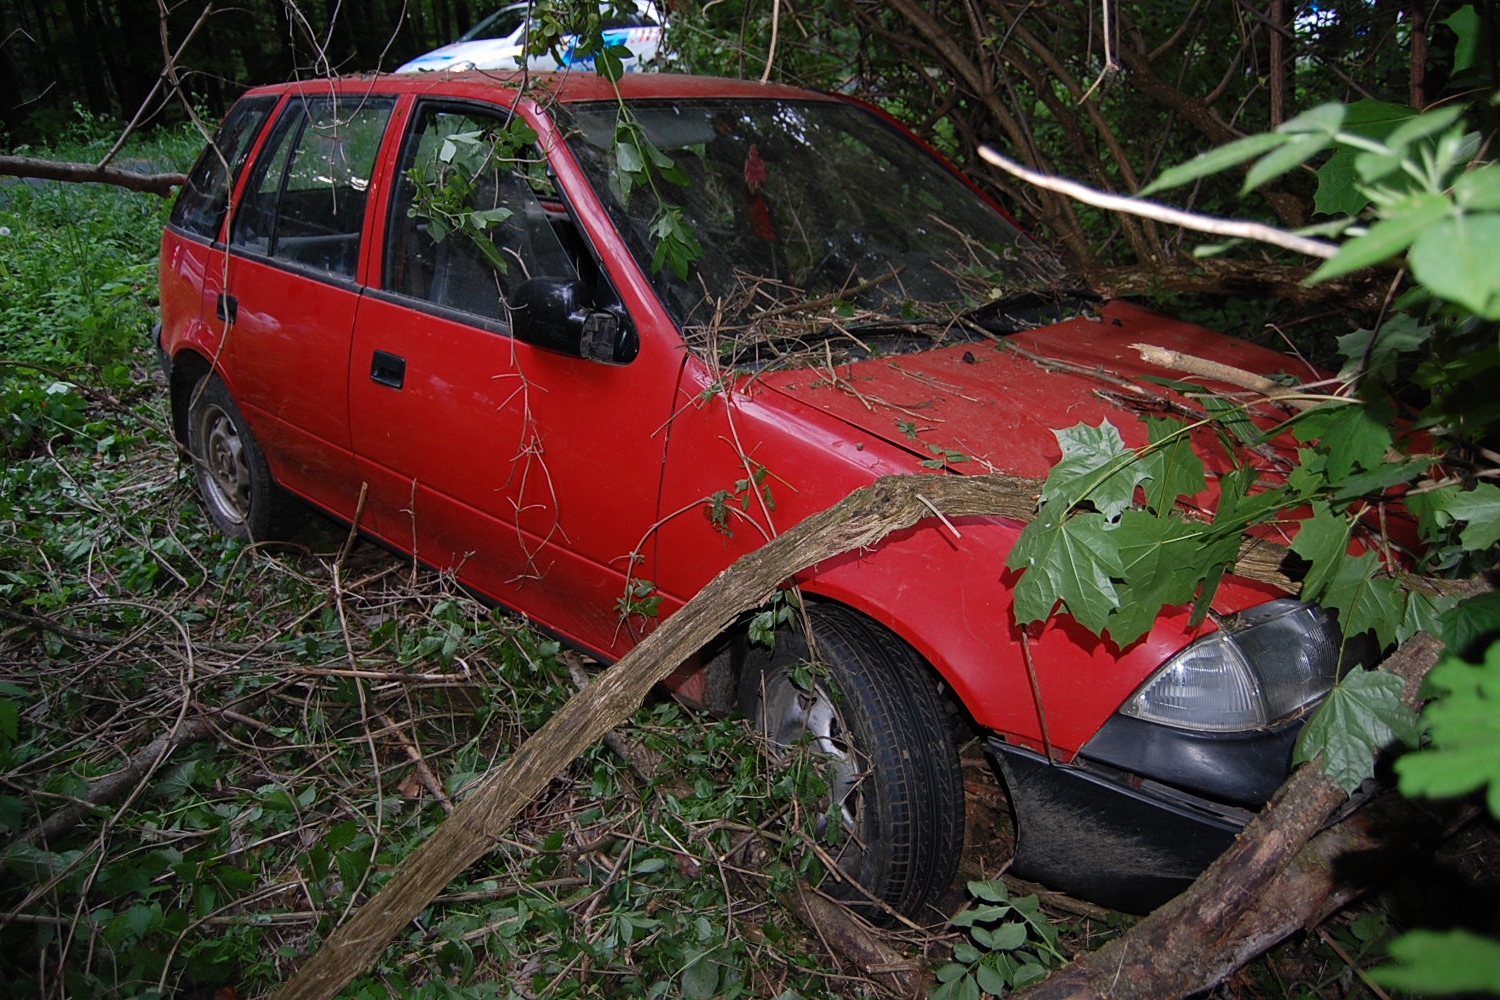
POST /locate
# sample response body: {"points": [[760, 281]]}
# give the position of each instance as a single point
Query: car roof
{"points": [[567, 86]]}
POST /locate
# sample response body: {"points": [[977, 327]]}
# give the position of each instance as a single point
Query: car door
{"points": [[290, 289], [531, 475]]}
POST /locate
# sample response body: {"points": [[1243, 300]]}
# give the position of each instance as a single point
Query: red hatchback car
{"points": [[466, 313]]}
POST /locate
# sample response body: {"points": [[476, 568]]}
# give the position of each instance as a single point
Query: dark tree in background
{"points": [[105, 55], [1105, 91]]}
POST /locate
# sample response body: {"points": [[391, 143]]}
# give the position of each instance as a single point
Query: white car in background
{"points": [[499, 42]]}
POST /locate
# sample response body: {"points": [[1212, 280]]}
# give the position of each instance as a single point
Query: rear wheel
{"points": [[233, 476], [863, 705]]}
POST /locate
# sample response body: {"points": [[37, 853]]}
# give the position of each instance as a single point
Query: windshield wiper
{"points": [[1032, 308]]}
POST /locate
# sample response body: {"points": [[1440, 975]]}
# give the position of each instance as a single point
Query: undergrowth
{"points": [[210, 752]]}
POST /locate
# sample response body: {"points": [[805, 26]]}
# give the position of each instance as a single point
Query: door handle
{"points": [[388, 369], [227, 308]]}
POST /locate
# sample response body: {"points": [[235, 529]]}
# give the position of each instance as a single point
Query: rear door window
{"points": [[305, 203], [204, 199]]}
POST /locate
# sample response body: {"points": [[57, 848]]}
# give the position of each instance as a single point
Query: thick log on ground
{"points": [[1275, 879]]}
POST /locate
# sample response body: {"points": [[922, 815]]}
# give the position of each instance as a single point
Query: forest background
{"points": [[212, 869]]}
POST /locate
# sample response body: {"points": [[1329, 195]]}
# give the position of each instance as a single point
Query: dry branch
{"points": [[860, 520], [1235, 228], [57, 170]]}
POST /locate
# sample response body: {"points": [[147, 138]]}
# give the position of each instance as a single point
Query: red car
{"points": [[585, 347]]}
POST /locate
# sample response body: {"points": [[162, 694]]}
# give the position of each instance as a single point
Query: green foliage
{"points": [[1463, 725], [1362, 714], [1416, 173], [449, 172], [1010, 943], [1437, 963]]}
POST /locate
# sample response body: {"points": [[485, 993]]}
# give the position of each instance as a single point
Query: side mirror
{"points": [[548, 313]]}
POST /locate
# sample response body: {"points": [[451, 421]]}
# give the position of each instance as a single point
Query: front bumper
{"points": [[1110, 836]]}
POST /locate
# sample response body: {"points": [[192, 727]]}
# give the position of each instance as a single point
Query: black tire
{"points": [[870, 705], [242, 498]]}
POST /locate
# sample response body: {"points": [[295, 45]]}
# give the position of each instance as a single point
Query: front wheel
{"points": [[864, 704], [233, 476]]}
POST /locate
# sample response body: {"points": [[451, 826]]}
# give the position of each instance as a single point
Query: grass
{"points": [[283, 727]]}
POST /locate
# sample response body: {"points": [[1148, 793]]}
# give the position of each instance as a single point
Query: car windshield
{"points": [[823, 229], [500, 25]]}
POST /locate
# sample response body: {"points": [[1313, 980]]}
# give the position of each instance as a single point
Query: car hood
{"points": [[997, 404]]}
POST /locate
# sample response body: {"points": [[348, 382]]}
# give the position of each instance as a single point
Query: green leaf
{"points": [[1095, 466], [1463, 722], [1388, 238], [1458, 258], [1478, 190], [1297, 151], [1365, 597], [1470, 621], [1438, 962], [991, 980], [1466, 24], [700, 980], [1362, 713], [1161, 562], [1352, 436], [1338, 193], [1216, 161], [1479, 509], [1422, 126], [1322, 540], [1397, 335], [1171, 467], [1071, 562]]}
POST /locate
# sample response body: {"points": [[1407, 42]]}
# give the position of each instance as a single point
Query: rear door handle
{"points": [[227, 308], [388, 369]]}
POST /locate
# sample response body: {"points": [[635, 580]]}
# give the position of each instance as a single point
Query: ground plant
{"points": [[211, 752]]}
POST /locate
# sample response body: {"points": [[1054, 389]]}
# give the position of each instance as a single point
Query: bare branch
{"points": [[56, 170], [1237, 228]]}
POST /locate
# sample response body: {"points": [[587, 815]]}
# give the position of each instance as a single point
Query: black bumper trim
{"points": [[1245, 768], [1107, 836]]}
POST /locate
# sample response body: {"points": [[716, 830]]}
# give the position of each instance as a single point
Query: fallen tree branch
{"points": [[1240, 906], [858, 521], [57, 170]]}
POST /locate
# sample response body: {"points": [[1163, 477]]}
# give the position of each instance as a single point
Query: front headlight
{"points": [[1263, 665]]}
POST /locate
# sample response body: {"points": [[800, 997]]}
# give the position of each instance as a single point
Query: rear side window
{"points": [[204, 198], [475, 213], [305, 202]]}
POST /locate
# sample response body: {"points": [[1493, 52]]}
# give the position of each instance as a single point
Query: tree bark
{"points": [[55, 170]]}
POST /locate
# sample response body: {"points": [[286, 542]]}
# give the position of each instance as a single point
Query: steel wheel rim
{"points": [[227, 473], [793, 717]]}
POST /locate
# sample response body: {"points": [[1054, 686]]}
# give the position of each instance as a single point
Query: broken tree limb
{"points": [[1238, 907], [56, 170], [858, 521], [1235, 228]]}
